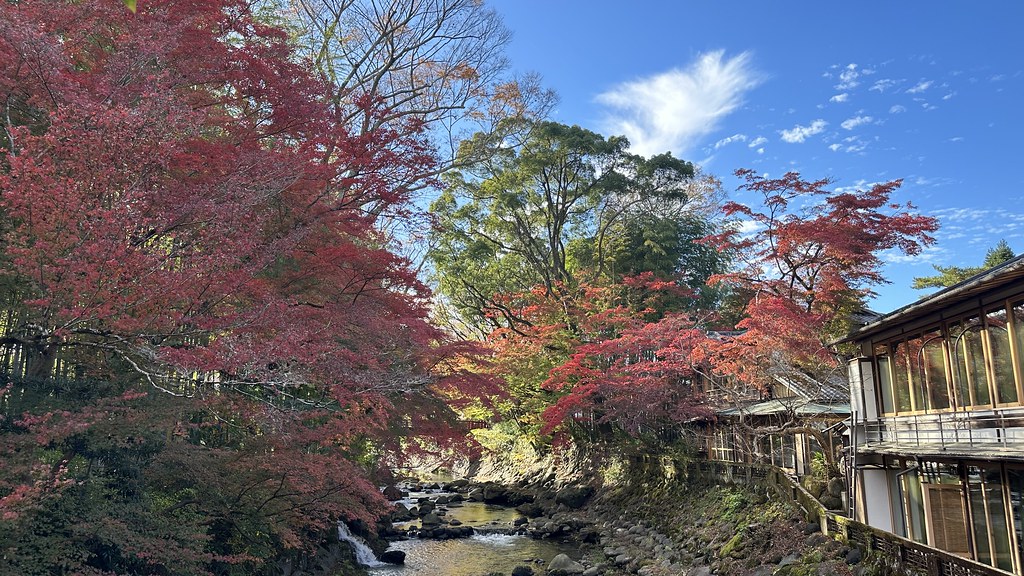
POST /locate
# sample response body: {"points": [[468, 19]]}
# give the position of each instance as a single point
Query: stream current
{"points": [[484, 552]]}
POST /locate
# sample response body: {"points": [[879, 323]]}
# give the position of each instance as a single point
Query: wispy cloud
{"points": [[758, 141], [798, 134], [730, 140], [674, 109], [848, 78], [883, 84], [920, 87], [843, 97], [851, 123], [897, 109]]}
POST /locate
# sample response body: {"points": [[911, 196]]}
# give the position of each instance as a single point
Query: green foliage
{"points": [[952, 275], [565, 207], [734, 501]]}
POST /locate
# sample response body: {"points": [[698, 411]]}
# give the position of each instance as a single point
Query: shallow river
{"points": [[474, 556]]}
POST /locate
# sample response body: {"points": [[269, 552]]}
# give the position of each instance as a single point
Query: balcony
{"points": [[976, 434]]}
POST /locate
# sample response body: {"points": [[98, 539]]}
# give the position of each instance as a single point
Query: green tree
{"points": [[565, 207], [950, 275]]}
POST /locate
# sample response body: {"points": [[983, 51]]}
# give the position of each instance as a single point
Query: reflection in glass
{"points": [[1002, 360], [885, 381], [901, 377], [969, 360], [932, 368]]}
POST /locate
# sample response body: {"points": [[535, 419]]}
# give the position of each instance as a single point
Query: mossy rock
{"points": [[735, 544]]}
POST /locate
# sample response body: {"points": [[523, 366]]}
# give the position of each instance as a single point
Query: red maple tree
{"points": [[812, 259], [184, 226]]}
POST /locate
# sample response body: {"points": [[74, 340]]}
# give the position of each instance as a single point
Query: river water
{"points": [[479, 554]]}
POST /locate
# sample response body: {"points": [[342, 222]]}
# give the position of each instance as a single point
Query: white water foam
{"points": [[497, 540], [364, 555]]}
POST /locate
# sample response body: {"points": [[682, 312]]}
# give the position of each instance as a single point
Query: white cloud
{"points": [[835, 147], [858, 186], [839, 97], [730, 140], [758, 141], [897, 109], [920, 87], [674, 109], [883, 84], [949, 96], [799, 133], [851, 123], [848, 78], [957, 139], [760, 150]]}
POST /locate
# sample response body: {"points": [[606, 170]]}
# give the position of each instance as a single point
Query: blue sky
{"points": [[859, 92]]}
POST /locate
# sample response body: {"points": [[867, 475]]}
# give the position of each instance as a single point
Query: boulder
{"points": [[562, 565], [531, 510], [522, 571], [394, 493], [401, 513], [574, 496], [836, 487], [393, 557], [430, 519]]}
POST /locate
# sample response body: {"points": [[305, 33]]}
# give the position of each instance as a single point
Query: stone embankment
{"points": [[648, 528]]}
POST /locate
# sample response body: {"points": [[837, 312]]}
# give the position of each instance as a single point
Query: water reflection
{"points": [[473, 556]]}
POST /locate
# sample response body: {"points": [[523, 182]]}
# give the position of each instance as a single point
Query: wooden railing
{"points": [[903, 556]]}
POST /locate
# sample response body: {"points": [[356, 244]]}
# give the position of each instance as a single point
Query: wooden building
{"points": [[938, 419]]}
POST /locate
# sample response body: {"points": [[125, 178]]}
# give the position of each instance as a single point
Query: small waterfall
{"points": [[364, 555]]}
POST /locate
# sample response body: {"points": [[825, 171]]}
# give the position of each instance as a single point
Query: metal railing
{"points": [[989, 428]]}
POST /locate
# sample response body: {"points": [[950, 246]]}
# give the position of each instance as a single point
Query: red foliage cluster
{"points": [[812, 258], [180, 201]]}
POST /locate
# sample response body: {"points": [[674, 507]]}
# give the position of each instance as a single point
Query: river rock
{"points": [[522, 571], [430, 519], [836, 487], [562, 565], [394, 493], [393, 557], [401, 513], [475, 495], [574, 496]]}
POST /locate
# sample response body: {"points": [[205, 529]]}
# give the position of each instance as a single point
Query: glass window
{"points": [[901, 377], [969, 360], [933, 370], [913, 501], [1017, 310], [918, 384], [988, 511], [885, 383], [1001, 357], [976, 496], [1016, 479]]}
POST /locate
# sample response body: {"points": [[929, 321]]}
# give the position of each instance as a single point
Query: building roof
{"points": [[796, 406], [828, 390], [973, 286]]}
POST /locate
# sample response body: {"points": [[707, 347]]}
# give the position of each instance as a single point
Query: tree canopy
{"points": [[950, 275]]}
